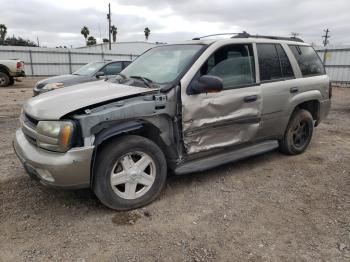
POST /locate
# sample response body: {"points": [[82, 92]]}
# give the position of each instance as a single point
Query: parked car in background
{"points": [[183, 107], [91, 72], [9, 69]]}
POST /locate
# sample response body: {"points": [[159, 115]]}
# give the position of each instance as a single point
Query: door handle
{"points": [[249, 99], [294, 90]]}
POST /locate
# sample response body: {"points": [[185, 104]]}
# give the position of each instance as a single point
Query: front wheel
{"points": [[130, 173], [298, 133]]}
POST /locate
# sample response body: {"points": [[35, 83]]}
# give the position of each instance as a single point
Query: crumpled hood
{"points": [[55, 104]]}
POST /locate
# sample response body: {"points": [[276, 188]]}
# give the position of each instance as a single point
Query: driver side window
{"points": [[234, 64], [112, 68]]}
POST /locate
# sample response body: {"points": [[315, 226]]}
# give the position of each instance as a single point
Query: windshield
{"points": [[89, 69], [162, 64]]}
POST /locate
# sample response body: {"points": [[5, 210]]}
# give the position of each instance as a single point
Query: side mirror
{"points": [[206, 84], [99, 74]]}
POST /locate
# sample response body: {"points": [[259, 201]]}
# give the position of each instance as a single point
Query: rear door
{"points": [[278, 85], [227, 118]]}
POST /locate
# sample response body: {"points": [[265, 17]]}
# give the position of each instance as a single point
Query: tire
{"points": [[298, 134], [121, 157], [4, 79]]}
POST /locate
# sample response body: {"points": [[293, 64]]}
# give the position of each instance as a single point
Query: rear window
{"points": [[273, 62], [309, 62]]}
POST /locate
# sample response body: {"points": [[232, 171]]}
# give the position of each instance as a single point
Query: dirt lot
{"points": [[267, 208]]}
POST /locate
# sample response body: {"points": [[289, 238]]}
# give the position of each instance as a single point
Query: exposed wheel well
{"points": [[313, 106], [4, 69], [148, 131]]}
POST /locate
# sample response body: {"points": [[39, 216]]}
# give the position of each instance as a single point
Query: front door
{"points": [[227, 118]]}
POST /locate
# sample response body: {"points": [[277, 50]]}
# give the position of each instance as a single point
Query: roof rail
{"points": [[199, 38], [244, 34]]}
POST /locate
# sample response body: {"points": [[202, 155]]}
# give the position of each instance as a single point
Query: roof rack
{"points": [[199, 38], [244, 34]]}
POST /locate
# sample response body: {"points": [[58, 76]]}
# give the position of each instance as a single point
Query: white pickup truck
{"points": [[9, 69]]}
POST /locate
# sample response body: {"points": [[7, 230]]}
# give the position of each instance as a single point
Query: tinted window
{"points": [[112, 68], [234, 64], [269, 64], [309, 62], [287, 70], [126, 63]]}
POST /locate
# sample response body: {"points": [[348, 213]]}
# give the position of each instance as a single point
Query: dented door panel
{"points": [[220, 119]]}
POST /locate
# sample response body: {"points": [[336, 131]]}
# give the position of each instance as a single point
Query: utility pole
{"points": [[109, 24], [325, 42], [326, 36]]}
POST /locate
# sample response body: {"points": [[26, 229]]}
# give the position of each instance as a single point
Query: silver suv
{"points": [[182, 107]]}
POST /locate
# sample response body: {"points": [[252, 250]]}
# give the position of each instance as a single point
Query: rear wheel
{"points": [[4, 79], [298, 133], [130, 173]]}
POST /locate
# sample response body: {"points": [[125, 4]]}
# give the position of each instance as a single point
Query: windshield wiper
{"points": [[145, 80]]}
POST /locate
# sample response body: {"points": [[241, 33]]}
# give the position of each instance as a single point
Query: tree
{"points": [[91, 41], [147, 33], [14, 41], [3, 32], [85, 32], [294, 34], [114, 31]]}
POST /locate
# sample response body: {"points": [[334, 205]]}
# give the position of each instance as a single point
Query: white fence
{"points": [[337, 63], [57, 61]]}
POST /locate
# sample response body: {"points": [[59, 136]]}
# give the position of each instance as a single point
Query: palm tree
{"points": [[91, 41], [147, 32], [85, 32], [114, 31], [3, 32]]}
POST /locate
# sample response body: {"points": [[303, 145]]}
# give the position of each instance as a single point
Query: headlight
{"points": [[56, 135], [52, 86]]}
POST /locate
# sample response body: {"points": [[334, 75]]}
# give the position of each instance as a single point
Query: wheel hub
{"points": [[133, 175]]}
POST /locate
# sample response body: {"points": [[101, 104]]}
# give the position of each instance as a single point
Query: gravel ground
{"points": [[267, 208]]}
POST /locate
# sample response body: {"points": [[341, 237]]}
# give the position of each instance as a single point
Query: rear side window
{"points": [[273, 62], [309, 62]]}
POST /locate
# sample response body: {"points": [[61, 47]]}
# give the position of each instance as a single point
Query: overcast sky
{"points": [[58, 22]]}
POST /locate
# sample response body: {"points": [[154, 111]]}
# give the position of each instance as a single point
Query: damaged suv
{"points": [[183, 108]]}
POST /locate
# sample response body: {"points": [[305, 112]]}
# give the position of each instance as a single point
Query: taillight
{"points": [[330, 90], [20, 65]]}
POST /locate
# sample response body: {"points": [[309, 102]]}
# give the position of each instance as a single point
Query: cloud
{"points": [[59, 22]]}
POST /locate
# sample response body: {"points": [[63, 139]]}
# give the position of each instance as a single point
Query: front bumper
{"points": [[64, 170]]}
